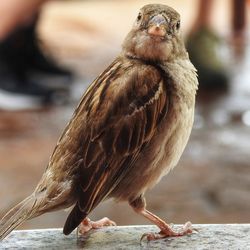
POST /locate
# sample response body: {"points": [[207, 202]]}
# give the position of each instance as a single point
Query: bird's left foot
{"points": [[86, 225], [169, 232]]}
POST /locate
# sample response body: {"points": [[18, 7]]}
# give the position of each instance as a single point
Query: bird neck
{"points": [[184, 78]]}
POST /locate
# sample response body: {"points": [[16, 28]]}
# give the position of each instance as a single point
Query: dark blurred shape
{"points": [[203, 45], [239, 16], [28, 78], [238, 27]]}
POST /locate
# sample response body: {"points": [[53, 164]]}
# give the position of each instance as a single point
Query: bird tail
{"points": [[21, 212], [75, 217]]}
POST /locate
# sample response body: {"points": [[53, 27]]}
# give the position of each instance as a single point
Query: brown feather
{"points": [[121, 135]]}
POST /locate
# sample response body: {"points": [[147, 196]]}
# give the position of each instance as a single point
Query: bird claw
{"points": [[169, 232], [151, 236], [86, 225], [186, 229]]}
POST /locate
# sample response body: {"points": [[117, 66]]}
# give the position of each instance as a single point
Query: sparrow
{"points": [[129, 129]]}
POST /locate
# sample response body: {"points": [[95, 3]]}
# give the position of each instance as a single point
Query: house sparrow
{"points": [[129, 130]]}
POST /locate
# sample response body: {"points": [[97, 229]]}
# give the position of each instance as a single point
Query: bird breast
{"points": [[167, 145], [161, 155]]}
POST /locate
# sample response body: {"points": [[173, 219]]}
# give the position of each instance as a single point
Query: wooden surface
{"points": [[214, 236]]}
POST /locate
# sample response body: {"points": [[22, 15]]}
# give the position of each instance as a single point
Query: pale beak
{"points": [[157, 26]]}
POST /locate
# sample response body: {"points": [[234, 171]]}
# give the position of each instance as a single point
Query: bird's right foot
{"points": [[169, 232]]}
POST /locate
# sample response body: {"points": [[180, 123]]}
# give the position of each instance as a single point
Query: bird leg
{"points": [[86, 225], [139, 205]]}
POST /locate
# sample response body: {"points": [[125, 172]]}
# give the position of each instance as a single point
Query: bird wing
{"points": [[122, 110]]}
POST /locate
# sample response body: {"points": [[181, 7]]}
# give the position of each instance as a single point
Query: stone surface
{"points": [[212, 181], [224, 236]]}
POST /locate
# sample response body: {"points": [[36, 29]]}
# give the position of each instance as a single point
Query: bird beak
{"points": [[157, 26]]}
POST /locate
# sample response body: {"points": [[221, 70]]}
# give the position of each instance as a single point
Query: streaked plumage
{"points": [[129, 129]]}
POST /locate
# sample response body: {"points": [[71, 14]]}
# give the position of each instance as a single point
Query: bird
{"points": [[129, 130]]}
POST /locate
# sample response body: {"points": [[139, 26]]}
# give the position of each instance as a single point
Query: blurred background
{"points": [[50, 51]]}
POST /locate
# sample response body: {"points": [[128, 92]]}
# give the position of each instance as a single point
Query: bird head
{"points": [[155, 35]]}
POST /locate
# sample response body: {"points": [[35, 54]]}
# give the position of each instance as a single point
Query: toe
{"points": [[150, 236], [108, 222], [102, 223], [83, 229], [187, 228]]}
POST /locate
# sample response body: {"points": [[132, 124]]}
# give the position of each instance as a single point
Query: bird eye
{"points": [[178, 25], [139, 17]]}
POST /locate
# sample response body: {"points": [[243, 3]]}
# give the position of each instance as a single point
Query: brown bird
{"points": [[129, 130]]}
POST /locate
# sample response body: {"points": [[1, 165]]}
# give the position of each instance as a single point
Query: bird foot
{"points": [[169, 232], [86, 225]]}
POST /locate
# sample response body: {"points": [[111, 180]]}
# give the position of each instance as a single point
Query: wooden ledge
{"points": [[214, 236]]}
